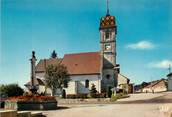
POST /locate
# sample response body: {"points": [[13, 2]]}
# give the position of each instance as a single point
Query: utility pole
{"points": [[169, 69]]}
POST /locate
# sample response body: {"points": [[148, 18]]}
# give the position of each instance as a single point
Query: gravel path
{"points": [[138, 105]]}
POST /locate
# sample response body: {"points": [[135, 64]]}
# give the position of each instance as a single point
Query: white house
{"points": [[123, 82], [169, 81], [156, 86]]}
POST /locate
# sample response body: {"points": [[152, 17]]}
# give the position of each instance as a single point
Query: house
{"points": [[123, 83], [139, 87], [169, 81], [156, 86], [98, 68], [40, 84]]}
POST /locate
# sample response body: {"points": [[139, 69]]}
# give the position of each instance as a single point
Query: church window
{"points": [[107, 35], [108, 76], [86, 83]]}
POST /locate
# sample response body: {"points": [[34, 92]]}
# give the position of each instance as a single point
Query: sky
{"points": [[144, 34]]}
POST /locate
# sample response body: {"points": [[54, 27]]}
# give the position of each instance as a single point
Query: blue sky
{"points": [[144, 38]]}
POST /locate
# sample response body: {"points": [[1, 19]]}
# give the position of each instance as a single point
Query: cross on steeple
{"points": [[107, 14]]}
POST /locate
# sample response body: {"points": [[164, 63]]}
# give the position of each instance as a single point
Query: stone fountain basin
{"points": [[30, 105]]}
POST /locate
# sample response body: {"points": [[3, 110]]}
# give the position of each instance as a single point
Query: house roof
{"points": [[38, 81], [123, 76], [43, 63], [154, 83], [170, 74], [82, 63]]}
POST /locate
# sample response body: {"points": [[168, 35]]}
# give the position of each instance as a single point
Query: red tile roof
{"points": [[155, 83], [82, 63], [43, 63], [77, 64]]}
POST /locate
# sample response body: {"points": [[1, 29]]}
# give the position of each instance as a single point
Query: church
{"points": [[98, 68]]}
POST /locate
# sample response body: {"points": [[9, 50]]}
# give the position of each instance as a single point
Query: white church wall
{"points": [[71, 88], [77, 83]]}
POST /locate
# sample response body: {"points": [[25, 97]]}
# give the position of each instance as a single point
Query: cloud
{"points": [[142, 45], [160, 64]]}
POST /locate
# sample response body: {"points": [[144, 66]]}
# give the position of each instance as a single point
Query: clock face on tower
{"points": [[107, 47]]}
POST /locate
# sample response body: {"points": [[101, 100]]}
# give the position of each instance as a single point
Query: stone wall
{"points": [[30, 105], [8, 113], [14, 113], [108, 82], [84, 101]]}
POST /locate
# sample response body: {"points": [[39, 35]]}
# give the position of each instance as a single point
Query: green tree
{"points": [[11, 90], [54, 54], [57, 77], [93, 91]]}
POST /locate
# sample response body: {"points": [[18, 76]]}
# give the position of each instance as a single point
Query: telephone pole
{"points": [[169, 69]]}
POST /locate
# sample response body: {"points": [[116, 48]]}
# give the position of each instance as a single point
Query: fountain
{"points": [[33, 101]]}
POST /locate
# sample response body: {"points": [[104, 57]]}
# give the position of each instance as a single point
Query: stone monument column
{"points": [[33, 87]]}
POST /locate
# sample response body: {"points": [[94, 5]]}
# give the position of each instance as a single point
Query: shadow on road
{"points": [[62, 107]]}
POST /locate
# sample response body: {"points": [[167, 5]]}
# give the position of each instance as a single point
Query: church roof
{"points": [[82, 63], [77, 64], [43, 63]]}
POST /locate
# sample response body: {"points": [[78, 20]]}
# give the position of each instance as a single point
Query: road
{"points": [[138, 105]]}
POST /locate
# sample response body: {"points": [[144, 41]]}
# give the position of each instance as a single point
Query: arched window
{"points": [[86, 83]]}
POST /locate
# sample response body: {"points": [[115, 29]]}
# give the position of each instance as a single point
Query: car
{"points": [[3, 97]]}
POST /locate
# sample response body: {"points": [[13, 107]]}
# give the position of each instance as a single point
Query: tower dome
{"points": [[107, 22]]}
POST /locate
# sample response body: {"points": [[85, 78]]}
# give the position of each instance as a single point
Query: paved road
{"points": [[138, 105]]}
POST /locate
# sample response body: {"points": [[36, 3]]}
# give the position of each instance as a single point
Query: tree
{"points": [[93, 91], [54, 54], [11, 90], [56, 77]]}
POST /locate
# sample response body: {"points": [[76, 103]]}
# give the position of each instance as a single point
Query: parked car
{"points": [[3, 97]]}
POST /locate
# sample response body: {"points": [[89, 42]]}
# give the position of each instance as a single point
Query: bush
{"points": [[118, 96], [84, 96], [98, 95], [113, 98], [11, 90], [93, 91], [74, 96], [32, 98]]}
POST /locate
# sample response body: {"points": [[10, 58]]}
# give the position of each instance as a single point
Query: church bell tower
{"points": [[108, 31]]}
